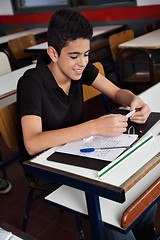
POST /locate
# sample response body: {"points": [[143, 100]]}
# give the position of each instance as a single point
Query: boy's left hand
{"points": [[142, 111]]}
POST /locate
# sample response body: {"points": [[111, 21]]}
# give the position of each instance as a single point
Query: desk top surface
{"points": [[34, 31], [151, 97], [149, 41], [8, 83], [114, 177], [149, 150], [99, 30]]}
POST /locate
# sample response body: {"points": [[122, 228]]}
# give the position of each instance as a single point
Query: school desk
{"points": [[8, 83], [149, 41], [34, 31], [130, 189]]}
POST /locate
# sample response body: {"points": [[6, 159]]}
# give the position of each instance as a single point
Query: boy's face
{"points": [[74, 58]]}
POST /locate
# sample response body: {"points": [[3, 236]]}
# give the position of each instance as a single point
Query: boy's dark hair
{"points": [[67, 25]]}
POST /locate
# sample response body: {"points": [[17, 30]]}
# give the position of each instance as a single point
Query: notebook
{"points": [[98, 164], [70, 153]]}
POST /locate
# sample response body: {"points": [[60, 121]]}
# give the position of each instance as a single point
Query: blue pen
{"points": [[87, 150]]}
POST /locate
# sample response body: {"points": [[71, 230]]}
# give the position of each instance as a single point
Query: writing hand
{"points": [[111, 125]]}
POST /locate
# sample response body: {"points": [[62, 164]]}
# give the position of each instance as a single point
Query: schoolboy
{"points": [[50, 97]]}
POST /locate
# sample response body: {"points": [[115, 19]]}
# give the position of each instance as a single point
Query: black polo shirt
{"points": [[39, 94]]}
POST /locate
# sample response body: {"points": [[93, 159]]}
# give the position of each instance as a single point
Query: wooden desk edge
{"points": [[8, 94], [145, 47], [140, 204]]}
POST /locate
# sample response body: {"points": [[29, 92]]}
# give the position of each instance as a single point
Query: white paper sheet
{"points": [[99, 142]]}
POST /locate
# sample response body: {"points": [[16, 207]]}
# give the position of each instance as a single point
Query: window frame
{"points": [[71, 4]]}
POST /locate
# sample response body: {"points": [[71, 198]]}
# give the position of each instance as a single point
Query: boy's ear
{"points": [[52, 53]]}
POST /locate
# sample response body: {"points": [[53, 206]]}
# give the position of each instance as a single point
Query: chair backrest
{"points": [[14, 31], [5, 66], [9, 124], [118, 38], [152, 26], [89, 91], [18, 45]]}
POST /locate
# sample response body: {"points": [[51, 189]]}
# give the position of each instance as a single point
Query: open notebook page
{"points": [[100, 142]]}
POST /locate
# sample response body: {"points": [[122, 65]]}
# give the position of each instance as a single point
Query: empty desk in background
{"points": [[98, 32], [35, 31], [103, 200], [149, 41], [8, 83]]}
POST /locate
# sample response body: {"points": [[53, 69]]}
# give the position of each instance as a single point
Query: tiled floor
{"points": [[45, 222]]}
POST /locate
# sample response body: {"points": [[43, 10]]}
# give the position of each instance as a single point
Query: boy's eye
{"points": [[76, 56], [73, 57]]}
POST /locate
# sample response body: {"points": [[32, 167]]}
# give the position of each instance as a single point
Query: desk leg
{"points": [[94, 213]]}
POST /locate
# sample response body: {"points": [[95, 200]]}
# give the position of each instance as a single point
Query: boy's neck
{"points": [[62, 81]]}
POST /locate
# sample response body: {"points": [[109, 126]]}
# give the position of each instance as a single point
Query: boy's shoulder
{"points": [[31, 77], [33, 72]]}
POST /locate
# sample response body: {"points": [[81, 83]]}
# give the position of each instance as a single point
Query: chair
{"points": [[8, 120], [18, 45], [14, 31], [136, 58], [9, 131], [114, 41], [5, 65], [90, 92]]}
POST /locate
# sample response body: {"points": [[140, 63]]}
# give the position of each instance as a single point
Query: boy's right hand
{"points": [[111, 125]]}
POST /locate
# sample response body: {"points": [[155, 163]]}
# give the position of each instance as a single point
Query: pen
{"points": [[87, 150], [130, 114]]}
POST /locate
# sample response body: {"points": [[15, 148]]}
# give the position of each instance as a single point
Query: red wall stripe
{"points": [[26, 18], [109, 14]]}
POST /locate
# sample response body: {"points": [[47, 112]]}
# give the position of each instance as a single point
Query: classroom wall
{"points": [[147, 2], [135, 17], [6, 7]]}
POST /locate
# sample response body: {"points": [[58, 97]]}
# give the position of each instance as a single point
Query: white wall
{"points": [[6, 7], [148, 2]]}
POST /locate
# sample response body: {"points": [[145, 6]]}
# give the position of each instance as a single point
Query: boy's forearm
{"points": [[45, 140], [124, 97]]}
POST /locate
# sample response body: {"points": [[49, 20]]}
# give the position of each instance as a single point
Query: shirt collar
{"points": [[47, 77]]}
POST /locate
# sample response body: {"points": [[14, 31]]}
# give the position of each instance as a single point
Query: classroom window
{"points": [[35, 6]]}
